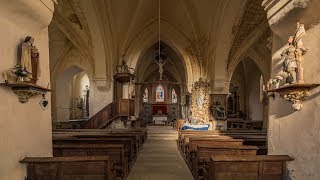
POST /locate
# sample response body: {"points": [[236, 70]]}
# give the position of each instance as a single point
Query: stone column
{"points": [[182, 102], [25, 129], [296, 133]]}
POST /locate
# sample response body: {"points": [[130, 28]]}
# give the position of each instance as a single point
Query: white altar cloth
{"points": [[159, 119]]}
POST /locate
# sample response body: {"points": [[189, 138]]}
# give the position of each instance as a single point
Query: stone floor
{"points": [[159, 158]]}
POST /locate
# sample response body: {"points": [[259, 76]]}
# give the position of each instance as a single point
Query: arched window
{"points": [[174, 97], [159, 94], [145, 95]]}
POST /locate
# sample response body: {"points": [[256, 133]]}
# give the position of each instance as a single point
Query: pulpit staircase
{"points": [[120, 108]]}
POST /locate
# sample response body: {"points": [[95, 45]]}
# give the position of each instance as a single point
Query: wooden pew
{"points": [[270, 167], [201, 158], [247, 137], [186, 140], [215, 141], [141, 130], [135, 136], [257, 139], [129, 135], [69, 168], [115, 151], [127, 142], [181, 134]]}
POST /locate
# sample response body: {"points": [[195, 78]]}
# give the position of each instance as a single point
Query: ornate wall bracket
{"points": [[25, 91], [295, 93]]}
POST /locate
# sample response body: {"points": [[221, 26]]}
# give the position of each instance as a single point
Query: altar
{"points": [[159, 119]]}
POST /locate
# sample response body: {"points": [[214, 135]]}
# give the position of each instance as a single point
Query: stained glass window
{"points": [[159, 94], [174, 97], [145, 95]]}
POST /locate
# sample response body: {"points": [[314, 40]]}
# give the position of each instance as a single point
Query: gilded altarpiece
{"points": [[200, 102]]}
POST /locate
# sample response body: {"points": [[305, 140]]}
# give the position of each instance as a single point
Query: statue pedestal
{"points": [[24, 91], [295, 93]]}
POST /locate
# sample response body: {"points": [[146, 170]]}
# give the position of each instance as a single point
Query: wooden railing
{"points": [[118, 108]]}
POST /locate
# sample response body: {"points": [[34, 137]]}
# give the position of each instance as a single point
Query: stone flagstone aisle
{"points": [[159, 158]]}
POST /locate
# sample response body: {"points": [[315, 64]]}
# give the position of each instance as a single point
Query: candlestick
{"points": [[5, 76]]}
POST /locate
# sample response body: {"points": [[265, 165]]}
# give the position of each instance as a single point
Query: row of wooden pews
{"points": [[89, 154], [233, 154]]}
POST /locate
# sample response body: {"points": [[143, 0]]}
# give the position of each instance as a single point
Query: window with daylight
{"points": [[159, 94], [145, 95], [174, 97]]}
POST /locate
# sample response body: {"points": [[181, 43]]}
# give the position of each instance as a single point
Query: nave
{"points": [[159, 158], [82, 81]]}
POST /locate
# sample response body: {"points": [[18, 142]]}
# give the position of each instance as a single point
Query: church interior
{"points": [[159, 89]]}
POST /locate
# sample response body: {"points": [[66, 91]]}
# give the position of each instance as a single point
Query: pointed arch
{"points": [[172, 37]]}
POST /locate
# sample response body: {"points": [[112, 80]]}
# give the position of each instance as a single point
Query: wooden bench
{"points": [[270, 167], [135, 136], [196, 142], [141, 131], [201, 158], [69, 168], [187, 139], [248, 137], [127, 142], [115, 151]]}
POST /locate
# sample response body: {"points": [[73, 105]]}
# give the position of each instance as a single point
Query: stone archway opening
{"points": [[161, 97], [72, 95], [246, 98]]}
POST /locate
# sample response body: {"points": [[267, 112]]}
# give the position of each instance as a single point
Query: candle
{"points": [[5, 76]]}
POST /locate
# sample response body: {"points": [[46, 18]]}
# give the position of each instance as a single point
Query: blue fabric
{"points": [[203, 127]]}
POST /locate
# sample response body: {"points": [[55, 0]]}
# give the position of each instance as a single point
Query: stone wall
{"points": [[296, 133], [25, 129]]}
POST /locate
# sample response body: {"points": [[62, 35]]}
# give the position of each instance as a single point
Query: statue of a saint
{"points": [[200, 100], [293, 56], [161, 64], [30, 59], [125, 68], [290, 63]]}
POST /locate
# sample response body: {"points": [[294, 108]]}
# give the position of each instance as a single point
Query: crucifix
{"points": [[161, 64]]}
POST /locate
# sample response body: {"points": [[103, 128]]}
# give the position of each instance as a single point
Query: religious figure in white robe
{"points": [[30, 59], [200, 100]]}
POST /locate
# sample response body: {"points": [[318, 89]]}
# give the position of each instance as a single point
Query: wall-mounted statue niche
{"points": [[289, 83], [22, 78]]}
